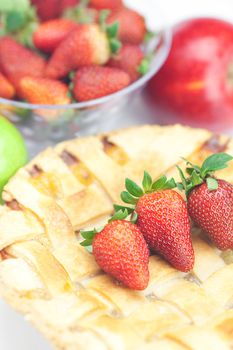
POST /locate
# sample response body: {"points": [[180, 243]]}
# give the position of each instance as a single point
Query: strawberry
{"points": [[121, 251], [132, 26], [162, 217], [17, 62], [51, 33], [94, 82], [7, 90], [210, 200], [106, 4], [47, 9], [87, 45], [131, 59], [43, 91]]}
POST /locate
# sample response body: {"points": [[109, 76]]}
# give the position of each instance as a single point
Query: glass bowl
{"points": [[44, 125]]}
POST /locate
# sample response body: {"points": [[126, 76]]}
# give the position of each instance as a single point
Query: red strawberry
{"points": [[106, 4], [94, 82], [17, 62], [43, 91], [51, 33], [84, 46], [210, 201], [121, 251], [131, 59], [47, 9], [132, 26], [6, 89], [163, 220]]}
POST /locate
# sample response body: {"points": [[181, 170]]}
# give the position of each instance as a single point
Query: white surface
{"points": [[15, 333]]}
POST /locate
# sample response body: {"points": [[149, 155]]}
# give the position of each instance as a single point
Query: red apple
{"points": [[196, 81]]}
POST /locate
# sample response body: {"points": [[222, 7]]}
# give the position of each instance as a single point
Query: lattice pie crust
{"points": [[56, 284]]}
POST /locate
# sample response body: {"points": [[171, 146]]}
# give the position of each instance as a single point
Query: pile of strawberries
{"points": [[160, 222], [80, 50]]}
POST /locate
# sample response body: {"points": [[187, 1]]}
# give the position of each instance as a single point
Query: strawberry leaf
{"points": [[195, 179], [183, 179], [134, 217], [215, 162], [119, 215], [112, 30], [160, 183], [86, 243], [147, 182], [170, 184], [89, 249], [127, 198], [212, 183], [163, 184], [189, 170], [192, 166], [88, 238], [88, 234], [15, 20], [20, 23], [144, 66], [115, 45], [133, 188], [180, 186], [121, 207]]}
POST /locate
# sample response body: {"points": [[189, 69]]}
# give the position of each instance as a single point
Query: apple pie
{"points": [[51, 279]]}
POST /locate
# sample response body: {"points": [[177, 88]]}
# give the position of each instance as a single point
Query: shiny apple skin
{"points": [[195, 83]]}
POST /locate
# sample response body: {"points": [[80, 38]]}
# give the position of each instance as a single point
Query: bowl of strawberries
{"points": [[68, 66]]}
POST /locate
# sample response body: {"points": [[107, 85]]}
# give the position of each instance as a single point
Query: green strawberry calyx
{"points": [[88, 238], [111, 30], [145, 64], [121, 213], [133, 192], [19, 20], [197, 175]]}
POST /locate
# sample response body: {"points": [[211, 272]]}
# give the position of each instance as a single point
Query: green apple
{"points": [[13, 152]]}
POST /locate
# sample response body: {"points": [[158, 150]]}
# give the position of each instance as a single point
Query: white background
{"points": [[15, 333]]}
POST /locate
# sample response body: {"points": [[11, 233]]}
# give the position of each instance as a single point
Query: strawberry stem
{"points": [[119, 215]]}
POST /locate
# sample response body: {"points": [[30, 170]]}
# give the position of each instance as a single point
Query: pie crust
{"points": [[46, 275]]}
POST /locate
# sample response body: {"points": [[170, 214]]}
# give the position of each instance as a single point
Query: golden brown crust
{"points": [[56, 284]]}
